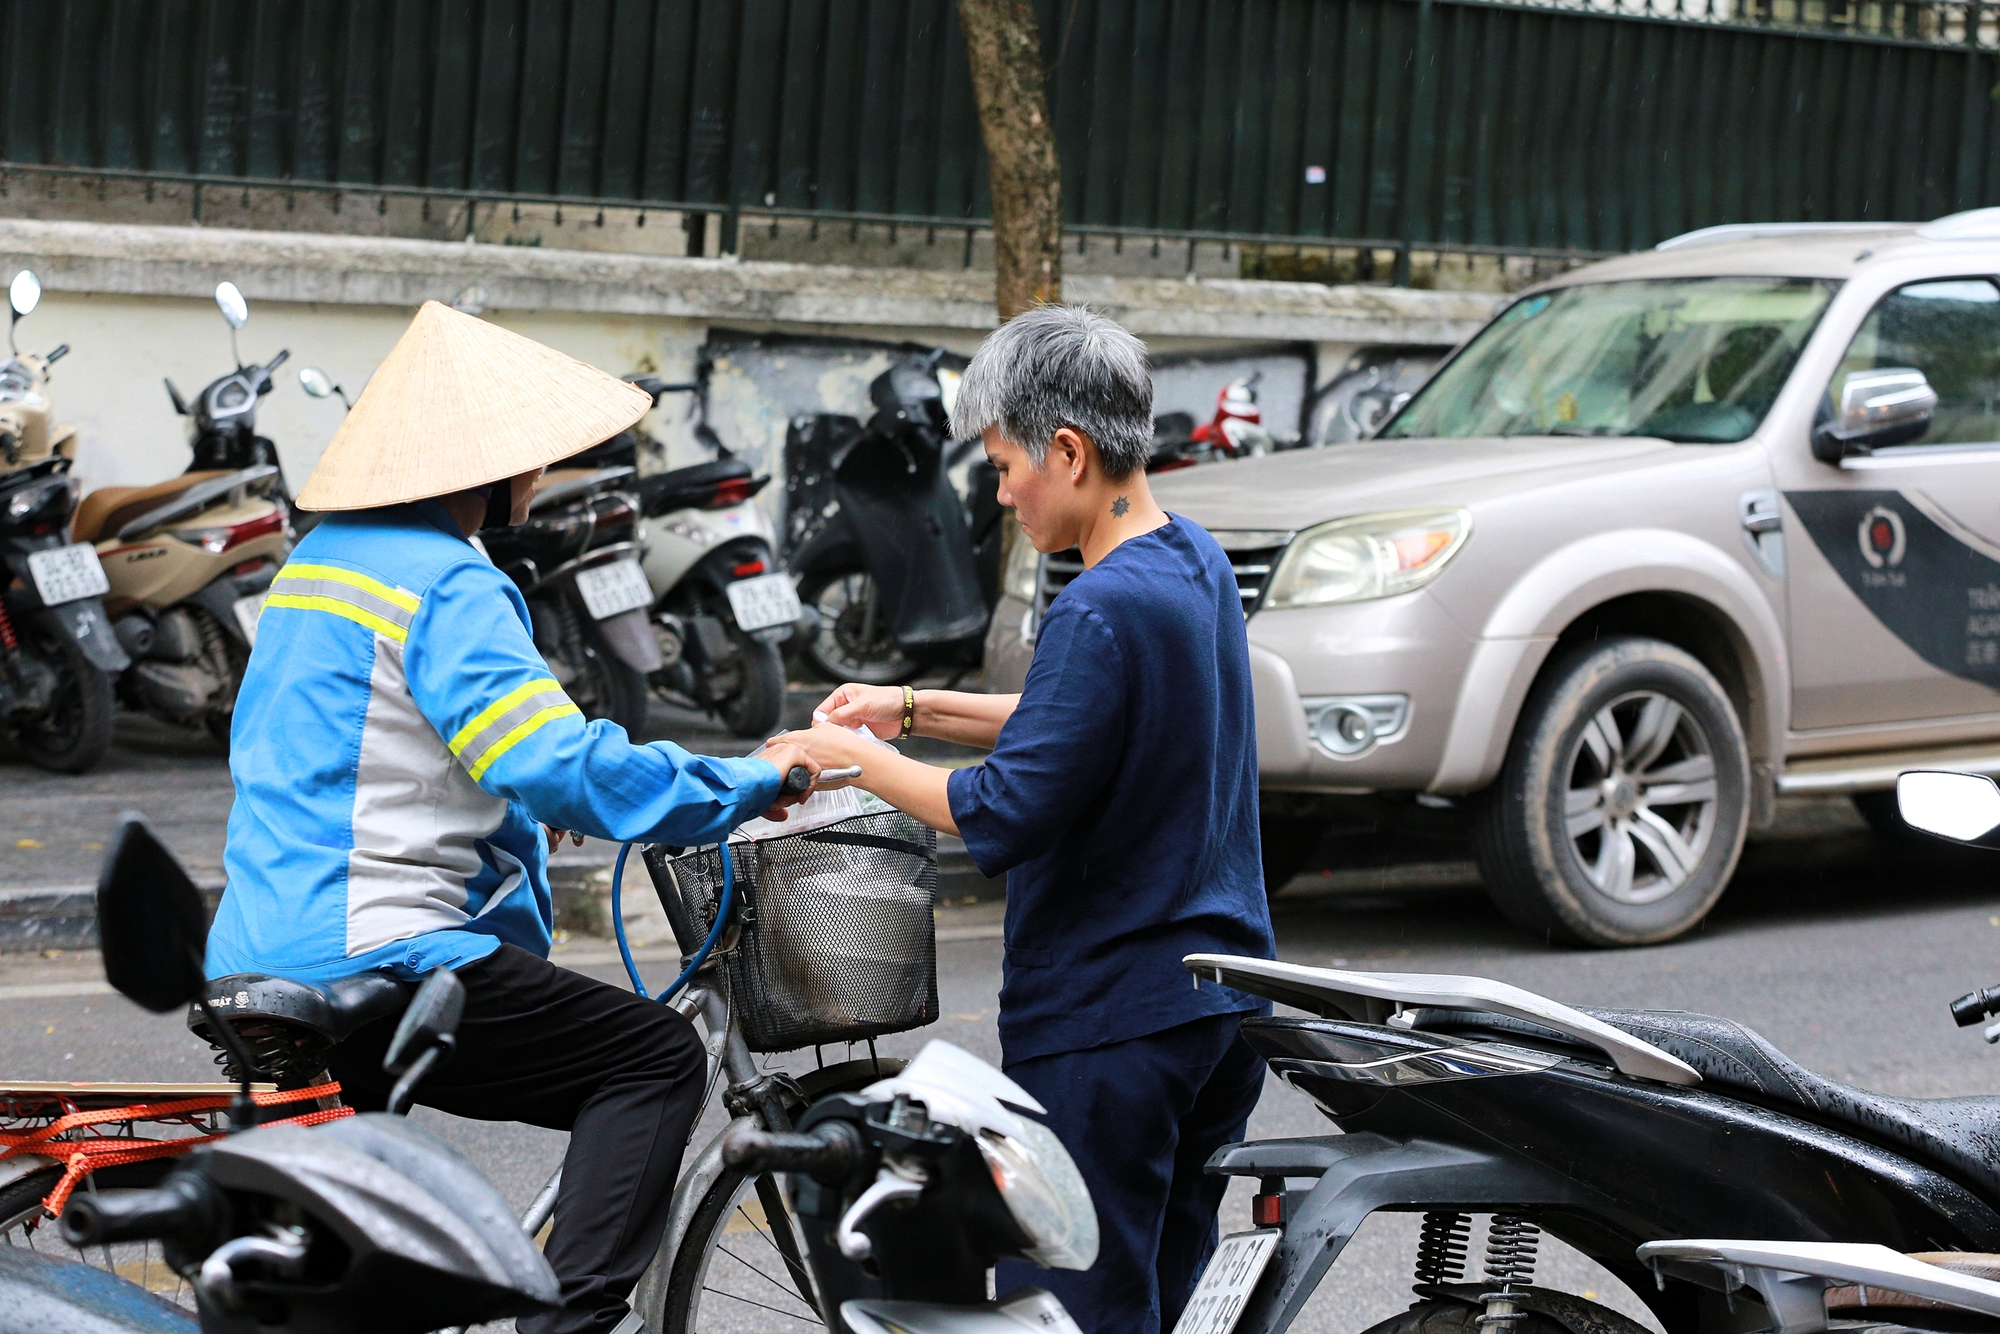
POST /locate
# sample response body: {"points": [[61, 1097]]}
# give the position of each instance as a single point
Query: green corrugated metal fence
{"points": [[1402, 123]]}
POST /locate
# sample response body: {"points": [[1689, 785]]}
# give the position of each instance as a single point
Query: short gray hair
{"points": [[1056, 366]]}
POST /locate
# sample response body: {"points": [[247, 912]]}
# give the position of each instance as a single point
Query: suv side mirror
{"points": [[1964, 808], [1891, 405]]}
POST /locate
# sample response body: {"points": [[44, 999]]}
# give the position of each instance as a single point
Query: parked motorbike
{"points": [[909, 1191], [368, 1225], [58, 655], [222, 425], [1235, 431], [576, 561], [900, 575], [1606, 1128], [722, 605]]}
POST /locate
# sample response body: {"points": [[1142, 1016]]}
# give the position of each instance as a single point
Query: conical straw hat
{"points": [[458, 403]]}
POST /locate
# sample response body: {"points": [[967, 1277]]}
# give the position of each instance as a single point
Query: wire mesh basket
{"points": [[839, 928]]}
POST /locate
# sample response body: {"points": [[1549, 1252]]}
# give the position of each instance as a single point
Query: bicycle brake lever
{"points": [[889, 1186], [1992, 1033]]}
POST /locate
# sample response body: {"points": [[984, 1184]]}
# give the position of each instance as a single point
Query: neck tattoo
{"points": [[1120, 507]]}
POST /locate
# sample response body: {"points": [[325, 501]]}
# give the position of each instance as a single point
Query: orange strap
{"points": [[85, 1156]]}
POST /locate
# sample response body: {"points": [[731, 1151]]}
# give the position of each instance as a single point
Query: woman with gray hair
{"points": [[1121, 799]]}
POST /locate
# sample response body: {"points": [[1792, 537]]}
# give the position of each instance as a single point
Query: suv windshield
{"points": [[1697, 360]]}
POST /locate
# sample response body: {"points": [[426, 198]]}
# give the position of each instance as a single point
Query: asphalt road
{"points": [[1841, 949]]}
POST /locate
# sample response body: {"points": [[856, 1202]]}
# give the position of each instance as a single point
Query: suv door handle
{"points": [[1761, 513], [1763, 521]]}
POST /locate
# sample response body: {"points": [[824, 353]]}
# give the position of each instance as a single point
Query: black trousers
{"points": [[1141, 1118], [545, 1046]]}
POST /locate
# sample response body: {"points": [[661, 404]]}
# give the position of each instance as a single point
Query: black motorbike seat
{"points": [[332, 1012], [1958, 1136]]}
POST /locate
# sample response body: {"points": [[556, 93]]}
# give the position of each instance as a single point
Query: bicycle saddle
{"points": [[289, 1026], [1958, 1136]]}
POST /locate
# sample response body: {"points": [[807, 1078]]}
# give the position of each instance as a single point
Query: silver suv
{"points": [[1673, 535]]}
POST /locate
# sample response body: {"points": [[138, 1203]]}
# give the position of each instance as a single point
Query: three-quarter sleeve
{"points": [[1057, 751]]}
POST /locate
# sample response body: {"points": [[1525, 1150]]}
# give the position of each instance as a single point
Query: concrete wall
{"points": [[134, 303]]}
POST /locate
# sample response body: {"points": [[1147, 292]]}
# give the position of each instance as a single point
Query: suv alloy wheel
{"points": [[1621, 809]]}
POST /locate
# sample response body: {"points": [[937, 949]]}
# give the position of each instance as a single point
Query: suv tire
{"points": [[1621, 808]]}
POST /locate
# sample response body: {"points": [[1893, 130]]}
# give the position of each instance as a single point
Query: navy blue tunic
{"points": [[1121, 799]]}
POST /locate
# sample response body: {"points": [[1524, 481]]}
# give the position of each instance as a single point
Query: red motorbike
{"points": [[1236, 431]]}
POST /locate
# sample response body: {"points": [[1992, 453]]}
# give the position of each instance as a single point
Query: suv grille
{"points": [[1252, 564]]}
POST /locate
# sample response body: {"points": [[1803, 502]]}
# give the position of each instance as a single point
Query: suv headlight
{"points": [[1043, 1190], [1368, 556]]}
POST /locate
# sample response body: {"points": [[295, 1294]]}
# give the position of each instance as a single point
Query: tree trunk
{"points": [[1004, 45]]}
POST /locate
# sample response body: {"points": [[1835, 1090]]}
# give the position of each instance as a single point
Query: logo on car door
{"points": [[1883, 538], [1927, 587]]}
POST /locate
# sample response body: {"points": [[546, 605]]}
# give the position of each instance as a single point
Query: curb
{"points": [[64, 917]]}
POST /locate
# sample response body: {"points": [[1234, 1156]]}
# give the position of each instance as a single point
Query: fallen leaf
{"points": [[26, 843]]}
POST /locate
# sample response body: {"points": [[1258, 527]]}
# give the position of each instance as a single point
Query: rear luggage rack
{"points": [[1374, 998]]}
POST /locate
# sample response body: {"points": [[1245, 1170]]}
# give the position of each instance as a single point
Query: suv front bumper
{"points": [[1303, 661]]}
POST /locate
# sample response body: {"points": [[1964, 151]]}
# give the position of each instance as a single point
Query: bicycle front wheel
{"points": [[742, 1268]]}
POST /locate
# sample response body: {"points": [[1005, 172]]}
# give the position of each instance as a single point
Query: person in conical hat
{"points": [[398, 748]]}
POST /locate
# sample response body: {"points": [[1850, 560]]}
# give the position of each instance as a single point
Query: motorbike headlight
{"points": [[1368, 556], [44, 496], [1045, 1193], [1024, 564]]}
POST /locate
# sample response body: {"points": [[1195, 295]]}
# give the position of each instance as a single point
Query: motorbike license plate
{"points": [[68, 573], [610, 589], [765, 601], [1228, 1281], [247, 611]]}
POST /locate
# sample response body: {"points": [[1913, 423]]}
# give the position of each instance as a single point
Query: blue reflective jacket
{"points": [[398, 741]]}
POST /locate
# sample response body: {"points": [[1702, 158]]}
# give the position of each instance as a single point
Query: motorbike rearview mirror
{"points": [[1964, 808], [426, 1037], [24, 293], [316, 382], [229, 300], [151, 924]]}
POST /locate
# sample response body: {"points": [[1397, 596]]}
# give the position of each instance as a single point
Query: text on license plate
{"points": [[68, 573], [610, 589], [1228, 1281], [247, 611], [765, 601]]}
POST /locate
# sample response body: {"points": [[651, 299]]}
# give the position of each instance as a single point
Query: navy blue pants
{"points": [[1140, 1118]]}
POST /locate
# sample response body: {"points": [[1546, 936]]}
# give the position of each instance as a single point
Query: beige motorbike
{"points": [[189, 563]]}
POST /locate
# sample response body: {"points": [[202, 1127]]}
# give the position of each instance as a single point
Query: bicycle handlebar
{"points": [[829, 1152], [181, 1205], [1974, 1006], [798, 780]]}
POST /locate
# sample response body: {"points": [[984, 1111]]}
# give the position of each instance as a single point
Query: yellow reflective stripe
{"points": [[495, 709], [520, 734], [338, 608], [297, 570]]}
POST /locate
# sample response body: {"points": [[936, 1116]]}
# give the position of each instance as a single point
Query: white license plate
{"points": [[765, 601], [68, 573], [247, 611], [1228, 1281], [610, 589]]}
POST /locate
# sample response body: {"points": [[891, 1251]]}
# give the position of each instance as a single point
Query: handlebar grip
{"points": [[797, 781], [1974, 1006], [829, 1152], [279, 360], [183, 1204], [62, 350]]}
